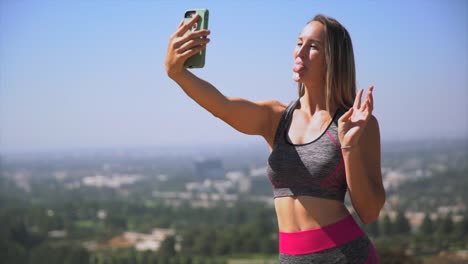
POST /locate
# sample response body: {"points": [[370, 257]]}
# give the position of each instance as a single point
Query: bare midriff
{"points": [[298, 213]]}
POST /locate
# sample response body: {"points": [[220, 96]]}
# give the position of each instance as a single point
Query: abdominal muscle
{"points": [[300, 213]]}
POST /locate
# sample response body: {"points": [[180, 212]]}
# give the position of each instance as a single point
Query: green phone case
{"points": [[197, 60]]}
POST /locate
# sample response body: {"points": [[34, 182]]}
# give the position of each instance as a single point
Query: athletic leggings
{"points": [[343, 242]]}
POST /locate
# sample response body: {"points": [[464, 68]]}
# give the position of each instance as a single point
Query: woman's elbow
{"points": [[369, 217], [372, 213]]}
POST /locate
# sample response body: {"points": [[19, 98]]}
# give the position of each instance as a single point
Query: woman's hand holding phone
{"points": [[183, 45]]}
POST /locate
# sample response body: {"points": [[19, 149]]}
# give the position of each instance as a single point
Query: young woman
{"points": [[321, 145]]}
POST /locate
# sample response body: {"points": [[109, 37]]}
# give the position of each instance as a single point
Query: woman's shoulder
{"points": [[276, 107], [274, 103]]}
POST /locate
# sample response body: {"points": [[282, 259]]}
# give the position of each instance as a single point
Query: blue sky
{"points": [[90, 74]]}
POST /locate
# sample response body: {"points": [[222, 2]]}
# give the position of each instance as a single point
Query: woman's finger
{"points": [[369, 108], [191, 44], [357, 100], [181, 24], [190, 52], [194, 35], [197, 34], [186, 26], [372, 97], [367, 105], [346, 115], [367, 114]]}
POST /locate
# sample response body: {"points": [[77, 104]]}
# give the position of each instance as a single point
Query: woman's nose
{"points": [[301, 51]]}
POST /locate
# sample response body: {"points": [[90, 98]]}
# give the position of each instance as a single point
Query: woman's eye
{"points": [[299, 44]]}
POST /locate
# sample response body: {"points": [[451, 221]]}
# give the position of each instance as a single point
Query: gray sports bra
{"points": [[312, 169]]}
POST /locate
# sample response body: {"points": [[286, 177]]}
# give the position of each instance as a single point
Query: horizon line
{"points": [[205, 146]]}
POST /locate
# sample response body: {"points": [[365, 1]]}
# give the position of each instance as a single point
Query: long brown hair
{"points": [[341, 73]]}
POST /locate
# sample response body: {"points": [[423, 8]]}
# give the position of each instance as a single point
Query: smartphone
{"points": [[197, 60]]}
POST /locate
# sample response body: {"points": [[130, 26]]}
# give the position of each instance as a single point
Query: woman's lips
{"points": [[298, 67]]}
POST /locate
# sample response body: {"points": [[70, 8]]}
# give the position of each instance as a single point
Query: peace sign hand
{"points": [[352, 123]]}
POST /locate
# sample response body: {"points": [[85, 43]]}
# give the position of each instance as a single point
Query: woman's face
{"points": [[309, 54]]}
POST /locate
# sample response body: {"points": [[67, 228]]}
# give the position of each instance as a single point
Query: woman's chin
{"points": [[296, 77]]}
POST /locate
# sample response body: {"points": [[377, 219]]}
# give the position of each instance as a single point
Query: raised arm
{"points": [[253, 118], [360, 141]]}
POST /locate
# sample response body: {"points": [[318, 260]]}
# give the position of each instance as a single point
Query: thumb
{"points": [[347, 115]]}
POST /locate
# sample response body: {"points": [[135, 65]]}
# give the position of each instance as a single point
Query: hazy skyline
{"points": [[91, 73]]}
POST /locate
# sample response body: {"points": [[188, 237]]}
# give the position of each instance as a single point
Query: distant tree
{"points": [[204, 242], [11, 252], [401, 225], [63, 254], [117, 221], [427, 226], [77, 255], [23, 236], [461, 227], [144, 257], [386, 227], [236, 243], [222, 245], [392, 256], [445, 225], [151, 257], [167, 247], [45, 254], [268, 245], [55, 223], [251, 238], [187, 239], [199, 260], [183, 259], [373, 228]]}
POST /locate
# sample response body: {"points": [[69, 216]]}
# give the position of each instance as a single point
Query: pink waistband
{"points": [[318, 239]]}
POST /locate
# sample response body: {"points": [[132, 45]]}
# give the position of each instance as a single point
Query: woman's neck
{"points": [[314, 99]]}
